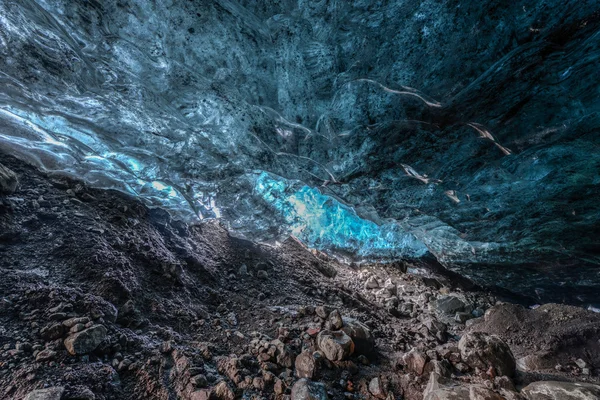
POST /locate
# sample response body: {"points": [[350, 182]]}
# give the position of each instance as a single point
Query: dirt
{"points": [[176, 311]]}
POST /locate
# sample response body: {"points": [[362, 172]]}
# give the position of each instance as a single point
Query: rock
{"points": [[486, 351], [335, 320], [8, 181], [415, 361], [550, 390], [307, 390], [279, 387], [580, 363], [376, 388], [81, 393], [535, 362], [371, 283], [85, 341], [306, 365], [336, 345], [262, 275], [53, 332], [223, 392], [449, 305], [199, 381], [450, 393], [462, 317], [26, 347], [243, 270], [323, 311], [478, 392], [52, 393], [364, 341], [45, 355]]}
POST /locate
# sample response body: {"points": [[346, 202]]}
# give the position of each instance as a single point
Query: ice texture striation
{"points": [[302, 117]]}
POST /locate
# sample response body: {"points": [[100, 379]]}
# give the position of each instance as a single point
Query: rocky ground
{"points": [[102, 298]]}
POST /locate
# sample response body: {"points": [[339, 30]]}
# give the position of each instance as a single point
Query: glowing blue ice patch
{"points": [[322, 222]]}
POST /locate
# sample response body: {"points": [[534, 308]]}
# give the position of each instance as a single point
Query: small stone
{"points": [[306, 365], [415, 361], [323, 311], [85, 341], [462, 317], [580, 363], [449, 305], [25, 346], [45, 355], [199, 381], [243, 270], [336, 345], [376, 388], [335, 319], [262, 275], [279, 387], [307, 390], [8, 181], [224, 392], [371, 283]]}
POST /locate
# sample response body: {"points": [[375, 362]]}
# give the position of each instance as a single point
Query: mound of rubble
{"points": [[102, 298]]}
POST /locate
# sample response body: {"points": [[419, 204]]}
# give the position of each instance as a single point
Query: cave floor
{"points": [[102, 298]]}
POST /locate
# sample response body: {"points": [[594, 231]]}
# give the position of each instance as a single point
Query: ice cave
{"points": [[300, 199]]}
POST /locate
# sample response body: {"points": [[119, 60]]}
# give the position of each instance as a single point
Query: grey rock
{"points": [[52, 393], [85, 341], [8, 181], [449, 305], [335, 320], [336, 345], [364, 341], [415, 361], [550, 390], [45, 355], [483, 351], [376, 388], [307, 390]]}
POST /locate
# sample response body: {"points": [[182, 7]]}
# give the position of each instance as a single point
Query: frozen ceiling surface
{"points": [[468, 130]]}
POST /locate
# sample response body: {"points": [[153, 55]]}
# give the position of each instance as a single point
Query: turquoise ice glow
{"points": [[324, 223]]}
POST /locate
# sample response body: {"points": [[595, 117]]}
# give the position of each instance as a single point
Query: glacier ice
{"points": [[296, 117]]}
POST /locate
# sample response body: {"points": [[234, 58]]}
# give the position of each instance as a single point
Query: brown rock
{"points": [[335, 320], [483, 351], [306, 365], [477, 392], [223, 392], [364, 341], [550, 390], [415, 361], [45, 355], [336, 345]]}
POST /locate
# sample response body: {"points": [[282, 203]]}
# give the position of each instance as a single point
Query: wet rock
{"points": [[307, 390], [336, 345], [449, 305], [486, 351], [376, 388], [550, 390], [85, 341], [415, 361], [52, 393], [364, 341], [306, 365], [8, 181]]}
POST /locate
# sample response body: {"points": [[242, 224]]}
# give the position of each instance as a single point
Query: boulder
{"points": [[52, 393], [415, 361], [535, 362], [483, 351], [85, 341], [8, 181], [376, 388], [336, 345], [306, 365], [307, 390], [551, 390], [364, 341], [449, 393], [449, 305], [478, 392], [223, 392]]}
